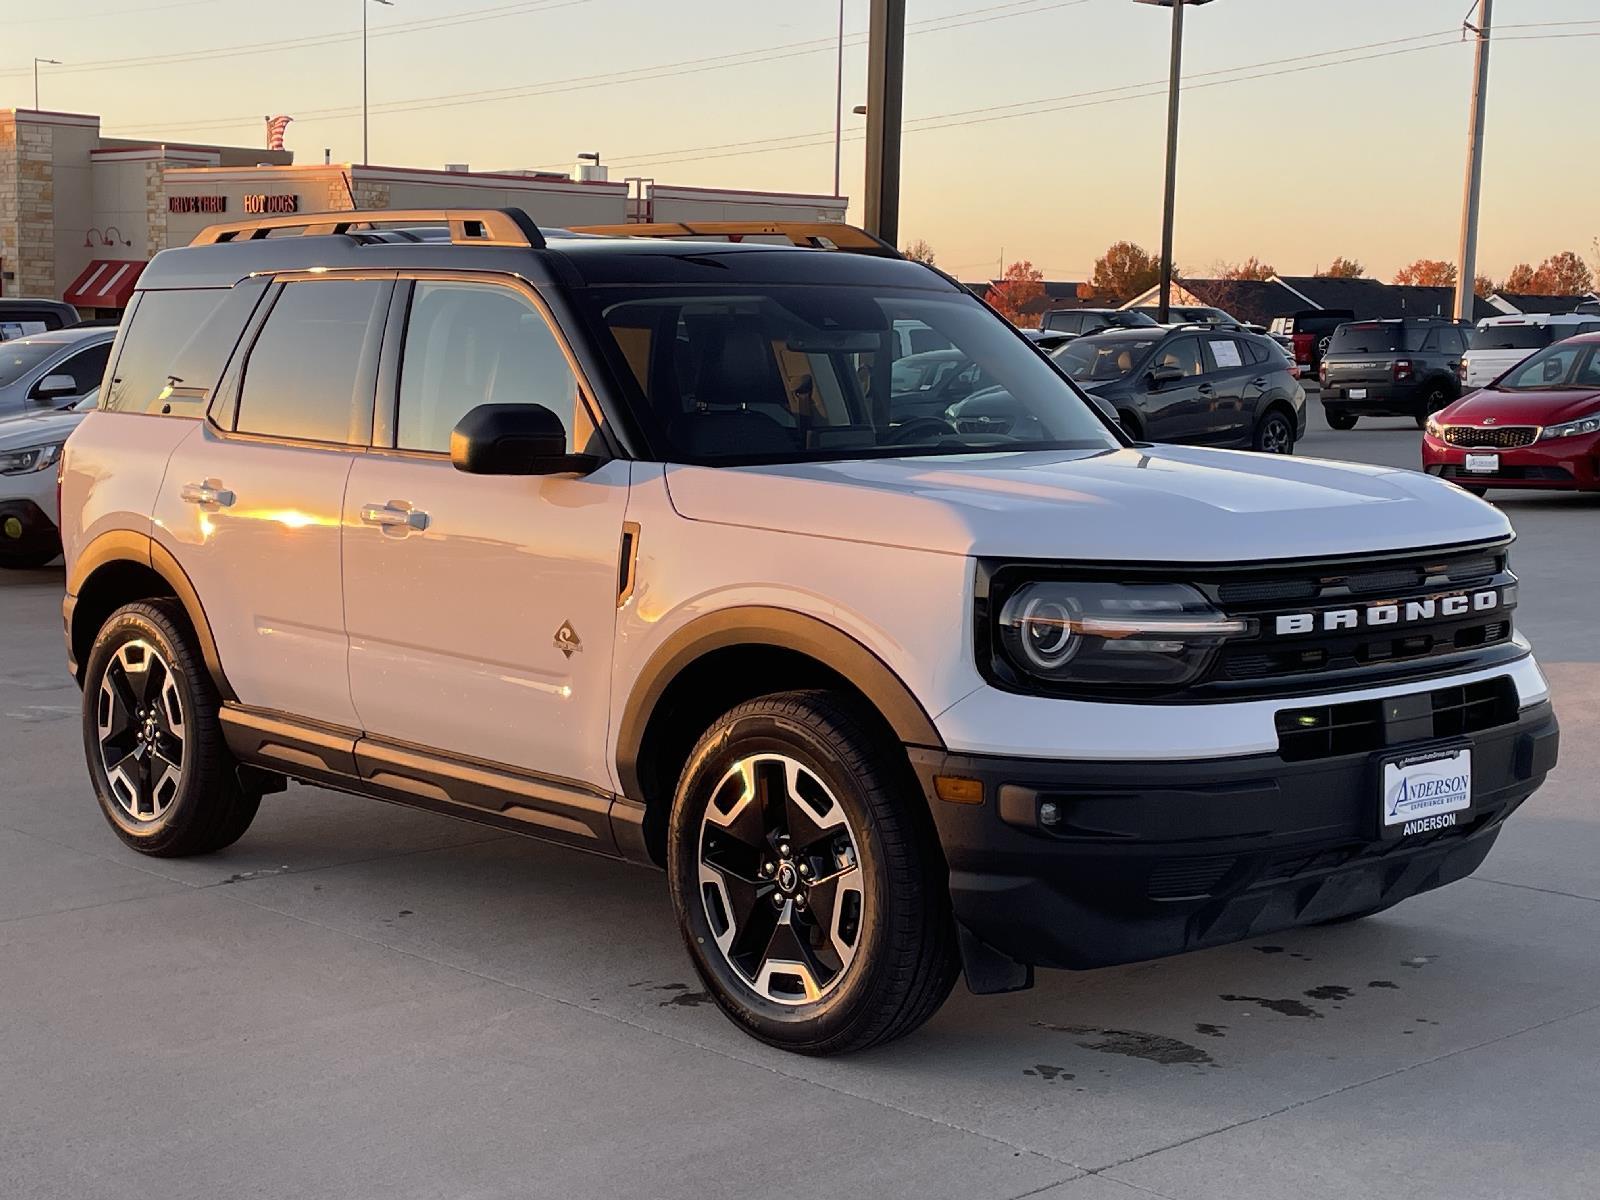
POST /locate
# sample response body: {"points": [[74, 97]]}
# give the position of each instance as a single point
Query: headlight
{"points": [[1434, 429], [1571, 428], [1107, 637], [26, 461]]}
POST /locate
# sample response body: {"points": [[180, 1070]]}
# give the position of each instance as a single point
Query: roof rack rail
{"points": [[468, 226], [815, 235]]}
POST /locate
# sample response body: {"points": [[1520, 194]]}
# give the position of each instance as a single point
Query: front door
{"points": [[1175, 411], [481, 609]]}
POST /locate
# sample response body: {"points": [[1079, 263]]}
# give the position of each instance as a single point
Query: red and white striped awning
{"points": [[104, 283]]}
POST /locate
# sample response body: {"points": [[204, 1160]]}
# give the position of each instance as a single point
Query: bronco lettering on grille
{"points": [[1399, 612]]}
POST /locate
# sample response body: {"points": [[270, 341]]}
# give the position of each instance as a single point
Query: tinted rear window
{"points": [[175, 347], [1510, 337], [1378, 337]]}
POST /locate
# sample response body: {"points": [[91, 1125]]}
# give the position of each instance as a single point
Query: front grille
{"points": [[1509, 437], [1362, 726], [1188, 878], [1527, 474]]}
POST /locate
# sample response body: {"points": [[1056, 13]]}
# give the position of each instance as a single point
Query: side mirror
{"points": [[1553, 370], [55, 387], [1107, 409], [514, 439], [1161, 376]]}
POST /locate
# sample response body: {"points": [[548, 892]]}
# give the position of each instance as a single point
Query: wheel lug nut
{"points": [[805, 869], [766, 868]]}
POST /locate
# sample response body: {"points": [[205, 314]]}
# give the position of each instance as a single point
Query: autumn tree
{"points": [[1124, 271], [920, 251], [1427, 272], [1343, 268], [1564, 274], [1022, 284], [1250, 268], [1521, 280], [1482, 285]]}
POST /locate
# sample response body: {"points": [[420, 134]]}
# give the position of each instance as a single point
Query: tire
{"points": [[1340, 420], [1274, 433], [860, 909], [161, 770], [1477, 490], [1436, 397]]}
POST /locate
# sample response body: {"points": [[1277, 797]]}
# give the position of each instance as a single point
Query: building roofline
{"points": [[679, 187], [71, 118]]}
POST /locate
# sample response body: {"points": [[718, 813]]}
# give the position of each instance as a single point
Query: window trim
{"points": [[386, 410], [230, 391]]}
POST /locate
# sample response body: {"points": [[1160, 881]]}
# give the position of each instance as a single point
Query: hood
{"points": [[1521, 408], [29, 429], [1152, 504]]}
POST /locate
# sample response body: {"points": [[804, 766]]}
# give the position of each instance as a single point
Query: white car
{"points": [[52, 370], [619, 542], [1500, 343], [30, 450]]}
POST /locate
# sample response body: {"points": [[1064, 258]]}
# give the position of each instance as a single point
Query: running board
{"points": [[545, 807]]}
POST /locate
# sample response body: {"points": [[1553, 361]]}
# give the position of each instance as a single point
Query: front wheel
{"points": [[161, 771], [812, 900], [1436, 397], [1275, 433]]}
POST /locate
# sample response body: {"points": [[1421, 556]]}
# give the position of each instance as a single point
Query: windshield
{"points": [[811, 372], [18, 358], [1510, 337], [1096, 360], [1564, 365]]}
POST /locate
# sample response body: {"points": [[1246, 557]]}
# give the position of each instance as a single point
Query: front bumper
{"points": [[1149, 859], [1566, 464], [25, 530]]}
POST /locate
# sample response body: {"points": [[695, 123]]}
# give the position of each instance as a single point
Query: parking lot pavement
{"points": [[360, 1000]]}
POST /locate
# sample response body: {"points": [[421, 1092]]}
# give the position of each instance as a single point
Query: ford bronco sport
{"points": [[613, 540]]}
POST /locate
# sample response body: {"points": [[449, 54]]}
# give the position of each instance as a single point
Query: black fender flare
{"points": [[782, 628]]}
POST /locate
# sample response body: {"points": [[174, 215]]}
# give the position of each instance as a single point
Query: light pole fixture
{"points": [[364, 3], [1168, 204], [54, 62], [838, 105], [886, 51]]}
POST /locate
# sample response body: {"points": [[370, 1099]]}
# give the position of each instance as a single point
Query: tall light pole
{"points": [[886, 55], [54, 62], [386, 4], [1170, 202], [1466, 279], [838, 105]]}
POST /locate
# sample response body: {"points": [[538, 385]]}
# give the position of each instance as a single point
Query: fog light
{"points": [[1049, 813], [12, 528]]}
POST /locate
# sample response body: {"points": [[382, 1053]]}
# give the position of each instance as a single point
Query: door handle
{"points": [[207, 493], [1260, 383], [1206, 389], [394, 515]]}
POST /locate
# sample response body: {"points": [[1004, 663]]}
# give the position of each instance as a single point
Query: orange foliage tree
{"points": [[1427, 272], [1022, 284]]}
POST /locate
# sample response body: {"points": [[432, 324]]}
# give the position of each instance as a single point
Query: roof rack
{"points": [[815, 235], [468, 226]]}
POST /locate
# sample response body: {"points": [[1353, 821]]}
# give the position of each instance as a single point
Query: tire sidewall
{"points": [[1277, 415], [134, 623], [794, 1026]]}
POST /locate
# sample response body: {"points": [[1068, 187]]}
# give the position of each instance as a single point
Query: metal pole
{"points": [[838, 105], [886, 46], [363, 82], [36, 85], [1170, 202], [1468, 259]]}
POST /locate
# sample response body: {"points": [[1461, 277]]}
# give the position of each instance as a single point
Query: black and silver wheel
{"points": [[1338, 419], [161, 771], [811, 897], [1275, 433]]}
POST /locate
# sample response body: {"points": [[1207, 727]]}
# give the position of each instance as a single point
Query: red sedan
{"points": [[1537, 426]]}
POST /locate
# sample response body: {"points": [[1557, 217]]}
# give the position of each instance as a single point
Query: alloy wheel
{"points": [[1275, 435], [780, 877], [140, 719]]}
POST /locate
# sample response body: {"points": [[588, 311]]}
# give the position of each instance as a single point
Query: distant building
{"points": [[81, 214], [1058, 293], [1513, 304], [1260, 301]]}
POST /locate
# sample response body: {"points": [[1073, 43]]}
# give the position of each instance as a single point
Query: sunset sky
{"points": [[1313, 128]]}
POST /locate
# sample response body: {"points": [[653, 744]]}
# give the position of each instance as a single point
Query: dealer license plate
{"points": [[1357, 393], [1425, 792], [1483, 464]]}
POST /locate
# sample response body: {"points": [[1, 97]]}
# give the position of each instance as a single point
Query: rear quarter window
{"points": [[175, 347]]}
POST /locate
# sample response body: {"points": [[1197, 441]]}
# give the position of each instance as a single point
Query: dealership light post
{"points": [[1170, 201], [54, 62], [386, 4], [886, 54], [1466, 278], [838, 104]]}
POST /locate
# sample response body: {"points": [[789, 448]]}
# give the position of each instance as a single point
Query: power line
{"points": [[740, 58]]}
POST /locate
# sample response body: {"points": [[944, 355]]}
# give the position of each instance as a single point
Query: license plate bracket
{"points": [[1424, 791], [1483, 464]]}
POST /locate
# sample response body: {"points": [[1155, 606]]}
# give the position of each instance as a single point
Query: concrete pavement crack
{"points": [[1528, 887]]}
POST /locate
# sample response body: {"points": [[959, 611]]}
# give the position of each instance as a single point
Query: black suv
{"points": [[1400, 368], [1191, 384]]}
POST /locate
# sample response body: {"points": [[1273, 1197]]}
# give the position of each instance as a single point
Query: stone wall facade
{"points": [[27, 208]]}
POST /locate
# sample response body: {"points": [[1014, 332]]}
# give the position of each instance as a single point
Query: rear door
{"points": [[1229, 369], [252, 499]]}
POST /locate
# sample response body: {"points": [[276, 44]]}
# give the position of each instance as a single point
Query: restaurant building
{"points": [[81, 214]]}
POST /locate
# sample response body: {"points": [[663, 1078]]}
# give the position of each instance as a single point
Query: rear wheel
{"points": [[1275, 433], [812, 901], [161, 771], [1340, 420]]}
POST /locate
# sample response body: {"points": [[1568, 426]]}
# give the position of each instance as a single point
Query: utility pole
{"points": [[54, 62], [886, 53], [386, 4], [838, 105], [1468, 258]]}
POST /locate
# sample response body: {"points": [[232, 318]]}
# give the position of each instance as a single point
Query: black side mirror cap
{"points": [[1161, 376], [515, 439]]}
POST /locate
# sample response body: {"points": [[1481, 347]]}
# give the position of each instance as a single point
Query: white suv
{"points": [[1500, 343], [626, 542]]}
